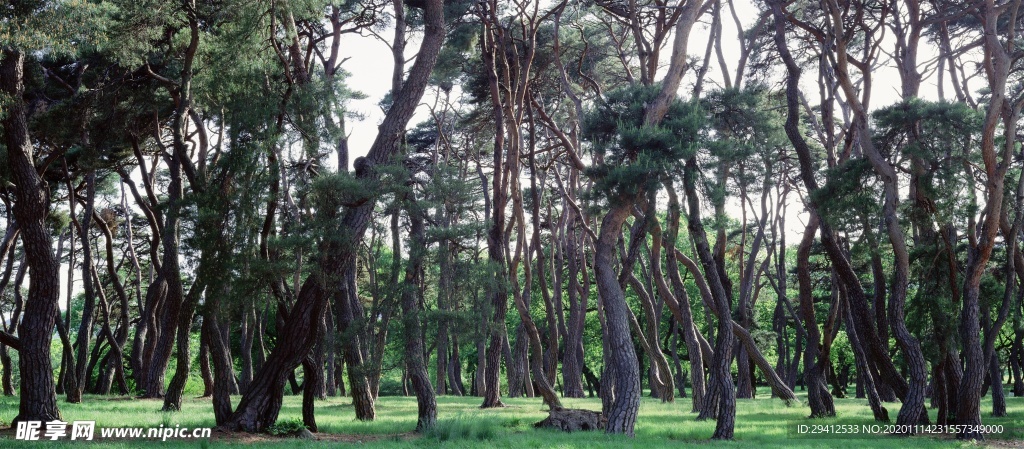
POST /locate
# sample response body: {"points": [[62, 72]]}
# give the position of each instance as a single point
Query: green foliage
{"points": [[332, 191], [458, 45], [940, 137], [849, 194], [286, 427], [54, 26], [746, 144], [58, 221], [635, 157]]}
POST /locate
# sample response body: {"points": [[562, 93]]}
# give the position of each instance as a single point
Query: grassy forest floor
{"points": [[761, 423]]}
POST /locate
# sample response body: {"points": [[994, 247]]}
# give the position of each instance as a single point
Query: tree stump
{"points": [[572, 420]]}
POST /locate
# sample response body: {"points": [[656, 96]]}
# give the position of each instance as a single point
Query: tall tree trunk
{"points": [[721, 397], [495, 207], [331, 340], [183, 367], [426, 403], [85, 326], [445, 285], [205, 371], [260, 405], [968, 412], [1017, 360], [170, 310], [516, 360], [455, 369], [312, 374], [679, 303], [363, 393], [572, 358], [818, 396], [248, 334], [623, 359], [222, 372], [866, 330], [37, 401], [865, 376]]}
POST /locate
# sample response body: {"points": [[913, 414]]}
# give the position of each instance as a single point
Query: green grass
{"points": [[760, 423]]}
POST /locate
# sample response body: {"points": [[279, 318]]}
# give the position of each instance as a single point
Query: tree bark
{"points": [[866, 330], [679, 303], [721, 397], [425, 401], [260, 405], [572, 358], [37, 401], [82, 341], [623, 359], [818, 396]]}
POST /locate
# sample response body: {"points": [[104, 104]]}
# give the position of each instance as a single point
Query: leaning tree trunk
{"points": [[495, 208], [85, 326], [877, 350], [913, 411], [968, 412], [6, 363], [261, 403], [721, 391], [679, 303], [535, 362], [311, 373], [205, 370], [183, 367], [818, 397], [445, 287], [626, 404], [221, 361], [170, 308], [38, 402]]}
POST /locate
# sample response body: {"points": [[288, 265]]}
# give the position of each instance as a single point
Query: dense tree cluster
{"points": [[638, 186]]}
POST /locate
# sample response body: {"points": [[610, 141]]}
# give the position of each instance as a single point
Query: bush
{"points": [[287, 427]]}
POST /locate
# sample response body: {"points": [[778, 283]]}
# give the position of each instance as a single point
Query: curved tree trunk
{"points": [[6, 363], [679, 303], [968, 412], [38, 402], [261, 403], [222, 371], [84, 338], [311, 373], [866, 330], [495, 208], [721, 397], [626, 404], [206, 372], [363, 393], [818, 396], [183, 367]]}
